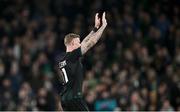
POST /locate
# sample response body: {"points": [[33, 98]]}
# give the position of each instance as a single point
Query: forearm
{"points": [[92, 40], [94, 36], [97, 35], [88, 36]]}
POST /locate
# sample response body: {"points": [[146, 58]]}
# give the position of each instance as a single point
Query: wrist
{"points": [[95, 29], [104, 25]]}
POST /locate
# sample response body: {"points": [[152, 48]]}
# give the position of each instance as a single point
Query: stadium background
{"points": [[135, 66]]}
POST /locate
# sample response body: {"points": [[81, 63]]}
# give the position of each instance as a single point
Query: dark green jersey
{"points": [[72, 75]]}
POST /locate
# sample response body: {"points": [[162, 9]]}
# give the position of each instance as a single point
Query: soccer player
{"points": [[72, 69]]}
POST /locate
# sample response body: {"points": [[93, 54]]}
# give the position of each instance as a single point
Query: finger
{"points": [[96, 16], [104, 15]]}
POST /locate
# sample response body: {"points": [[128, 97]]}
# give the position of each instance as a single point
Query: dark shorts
{"points": [[75, 105]]}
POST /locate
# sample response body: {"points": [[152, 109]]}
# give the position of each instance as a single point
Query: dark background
{"points": [[135, 66]]}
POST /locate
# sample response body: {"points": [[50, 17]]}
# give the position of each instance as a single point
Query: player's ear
{"points": [[78, 40], [72, 42]]}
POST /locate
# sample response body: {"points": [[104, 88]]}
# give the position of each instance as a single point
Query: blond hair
{"points": [[69, 37]]}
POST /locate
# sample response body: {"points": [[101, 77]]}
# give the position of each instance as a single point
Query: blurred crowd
{"points": [[135, 66]]}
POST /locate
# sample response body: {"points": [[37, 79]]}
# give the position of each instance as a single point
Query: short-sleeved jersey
{"points": [[72, 75]]}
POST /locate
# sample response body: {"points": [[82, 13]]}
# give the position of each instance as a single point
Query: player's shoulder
{"points": [[72, 56], [76, 52], [62, 60], [60, 57]]}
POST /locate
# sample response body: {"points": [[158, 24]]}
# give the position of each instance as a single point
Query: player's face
{"points": [[76, 43]]}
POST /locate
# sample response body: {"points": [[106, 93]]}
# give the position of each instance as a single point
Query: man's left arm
{"points": [[96, 27], [92, 40]]}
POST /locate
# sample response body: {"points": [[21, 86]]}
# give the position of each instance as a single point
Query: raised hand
{"points": [[94, 36], [104, 22], [97, 21]]}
